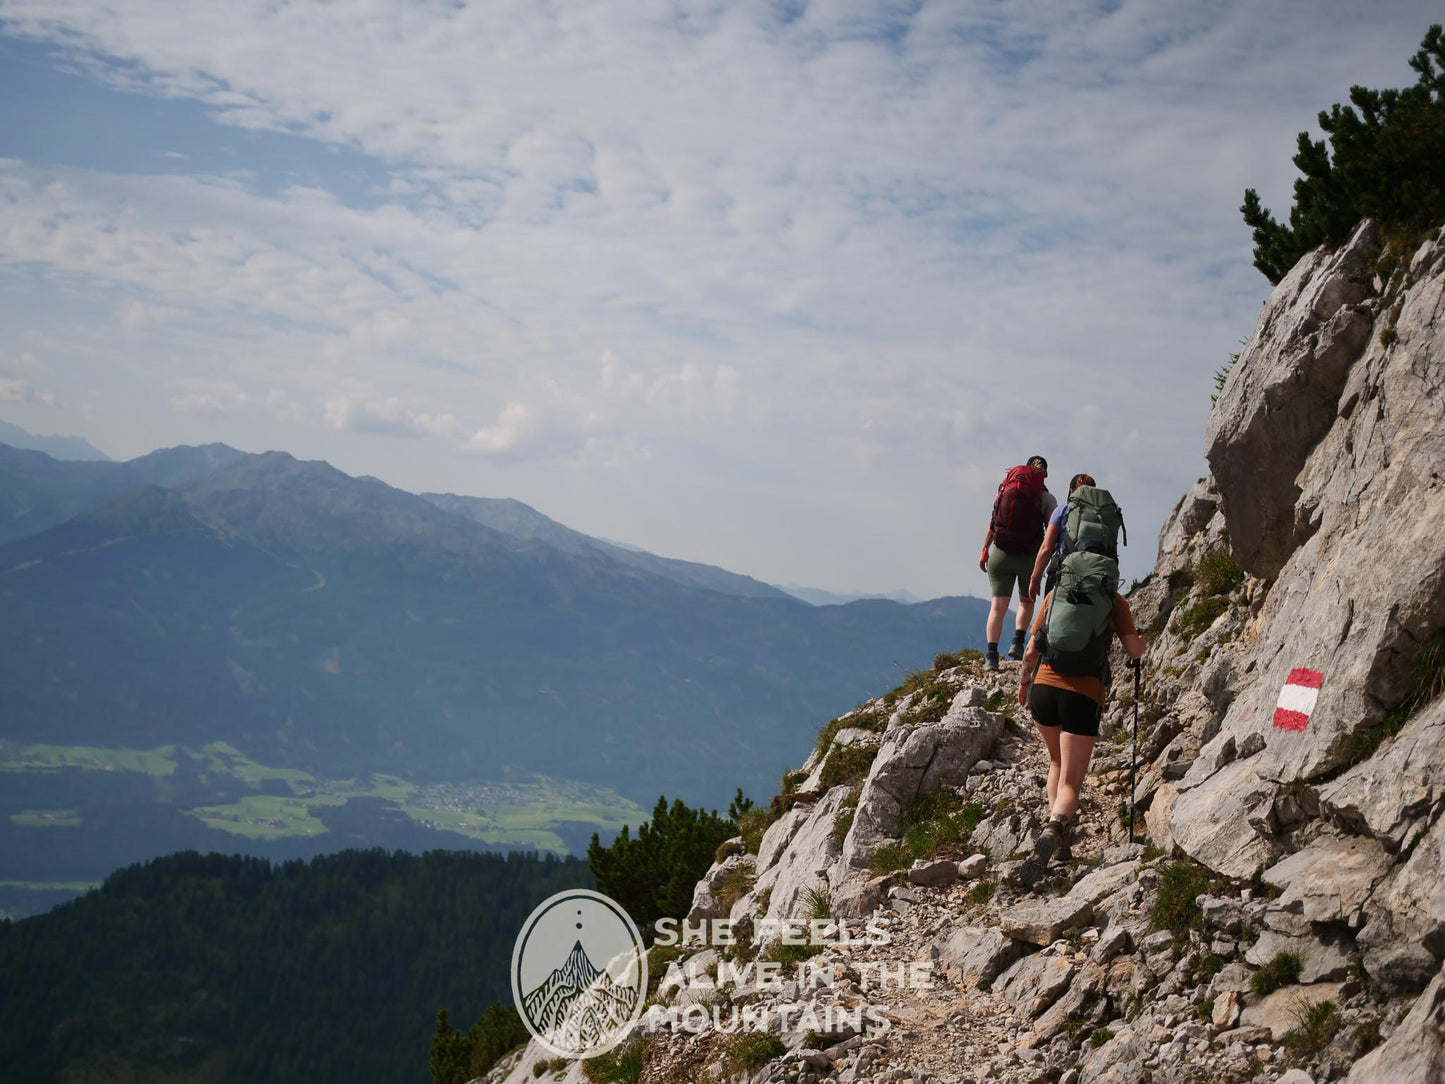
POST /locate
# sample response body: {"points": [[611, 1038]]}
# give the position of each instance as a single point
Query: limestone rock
{"points": [[1210, 822], [914, 761], [1281, 1010], [708, 900], [1331, 878], [1405, 936], [1226, 1010], [1035, 982], [1323, 957], [1099, 884], [1042, 921], [1390, 794], [976, 953], [933, 874], [973, 867], [1416, 1050], [1280, 398], [806, 862], [1156, 817]]}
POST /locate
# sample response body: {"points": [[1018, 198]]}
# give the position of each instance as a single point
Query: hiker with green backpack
{"points": [[1066, 666], [1055, 545]]}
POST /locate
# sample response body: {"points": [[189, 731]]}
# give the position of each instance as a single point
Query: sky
{"points": [[782, 286]]}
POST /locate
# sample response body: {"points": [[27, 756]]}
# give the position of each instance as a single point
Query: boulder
{"points": [[1156, 817], [1226, 1010], [1331, 878], [1099, 884], [1281, 1011], [1405, 936], [1210, 820], [913, 761], [708, 898], [1392, 793], [975, 953], [933, 874], [1280, 397], [1035, 982], [1043, 921], [1080, 1008], [805, 863], [1323, 957], [1416, 1049]]}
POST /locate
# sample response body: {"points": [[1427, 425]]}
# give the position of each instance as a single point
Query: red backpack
{"points": [[1018, 511]]}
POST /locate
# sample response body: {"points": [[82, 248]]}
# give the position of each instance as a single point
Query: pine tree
{"points": [[1385, 159]]}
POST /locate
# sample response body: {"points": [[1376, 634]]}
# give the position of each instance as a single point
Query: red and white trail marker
{"points": [[1297, 699]]}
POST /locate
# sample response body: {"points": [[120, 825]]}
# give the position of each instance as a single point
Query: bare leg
{"points": [[1076, 750], [997, 608], [1050, 734], [1026, 612]]}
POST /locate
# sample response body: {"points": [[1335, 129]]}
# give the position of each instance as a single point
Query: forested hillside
{"points": [[213, 968]]}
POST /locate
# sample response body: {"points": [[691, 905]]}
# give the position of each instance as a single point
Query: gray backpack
{"points": [[1078, 627]]}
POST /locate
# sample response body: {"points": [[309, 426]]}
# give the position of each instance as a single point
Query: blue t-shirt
{"points": [[1061, 513]]}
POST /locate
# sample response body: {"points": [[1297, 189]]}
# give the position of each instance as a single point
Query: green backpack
{"points": [[1079, 625], [1093, 516]]}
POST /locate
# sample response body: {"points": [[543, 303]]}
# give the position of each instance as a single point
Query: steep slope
{"points": [[517, 520]]}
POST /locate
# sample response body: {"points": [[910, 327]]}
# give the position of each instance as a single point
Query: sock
{"points": [[1019, 637], [993, 648]]}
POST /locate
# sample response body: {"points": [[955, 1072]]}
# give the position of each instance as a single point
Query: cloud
{"points": [[854, 251], [21, 391], [283, 408], [198, 396], [388, 417]]}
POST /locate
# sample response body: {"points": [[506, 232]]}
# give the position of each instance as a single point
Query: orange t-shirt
{"points": [[1092, 687]]}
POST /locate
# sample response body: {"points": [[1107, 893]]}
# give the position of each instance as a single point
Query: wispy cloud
{"points": [[714, 257]]}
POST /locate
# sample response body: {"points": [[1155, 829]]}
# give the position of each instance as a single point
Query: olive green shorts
{"points": [[1006, 569]]}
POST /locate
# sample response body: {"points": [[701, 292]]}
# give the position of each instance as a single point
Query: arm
{"points": [[1026, 671], [1046, 550], [1134, 644], [987, 541]]}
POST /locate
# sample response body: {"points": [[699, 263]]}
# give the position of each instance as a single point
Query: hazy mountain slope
{"points": [[336, 624], [72, 448], [38, 490], [522, 521]]}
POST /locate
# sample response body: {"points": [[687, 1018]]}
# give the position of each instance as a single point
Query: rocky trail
{"points": [[1281, 917]]}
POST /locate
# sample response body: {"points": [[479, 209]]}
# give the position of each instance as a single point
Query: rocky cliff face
{"points": [[1287, 919]]}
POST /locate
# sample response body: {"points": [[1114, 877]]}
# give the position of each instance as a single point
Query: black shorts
{"points": [[1075, 712]]}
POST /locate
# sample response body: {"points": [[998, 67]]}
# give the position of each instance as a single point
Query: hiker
{"points": [[1052, 552], [1066, 667], [1020, 510]]}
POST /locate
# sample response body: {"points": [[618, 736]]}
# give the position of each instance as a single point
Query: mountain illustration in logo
{"points": [[578, 1006]]}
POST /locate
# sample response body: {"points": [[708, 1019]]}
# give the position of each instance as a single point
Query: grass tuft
{"points": [[750, 1050], [1174, 908], [1283, 970]]}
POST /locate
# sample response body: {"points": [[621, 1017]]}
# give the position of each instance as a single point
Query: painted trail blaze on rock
{"points": [[1297, 699]]}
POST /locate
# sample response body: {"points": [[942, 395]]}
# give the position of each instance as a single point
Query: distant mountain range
{"points": [[57, 446], [325, 624]]}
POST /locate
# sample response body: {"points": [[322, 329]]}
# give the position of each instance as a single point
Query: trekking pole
{"points": [[1134, 760]]}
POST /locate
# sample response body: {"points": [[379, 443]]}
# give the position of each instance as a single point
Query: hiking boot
{"points": [[1017, 651], [1064, 852], [1032, 868], [990, 662]]}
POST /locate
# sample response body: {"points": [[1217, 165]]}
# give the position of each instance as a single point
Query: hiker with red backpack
{"points": [[1015, 529]]}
